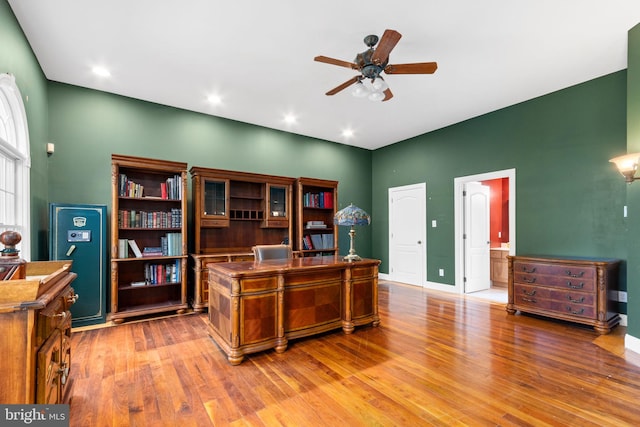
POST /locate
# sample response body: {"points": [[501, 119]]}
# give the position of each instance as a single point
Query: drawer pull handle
{"points": [[570, 310], [577, 301], [529, 300], [528, 280], [524, 268], [572, 286], [531, 293], [73, 298], [575, 275], [62, 315]]}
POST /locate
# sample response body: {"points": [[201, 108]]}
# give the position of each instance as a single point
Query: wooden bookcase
{"points": [[316, 204], [149, 206], [233, 211]]}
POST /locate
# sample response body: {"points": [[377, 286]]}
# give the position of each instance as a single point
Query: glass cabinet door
{"points": [[277, 202], [214, 196], [277, 206]]}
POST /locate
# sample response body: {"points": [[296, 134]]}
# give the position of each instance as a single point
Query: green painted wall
{"points": [[569, 197], [87, 126], [17, 58], [633, 190]]}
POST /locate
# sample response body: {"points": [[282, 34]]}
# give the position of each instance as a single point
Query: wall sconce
{"points": [[627, 165]]}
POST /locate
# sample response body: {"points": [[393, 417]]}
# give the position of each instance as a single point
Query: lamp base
{"points": [[351, 257]]}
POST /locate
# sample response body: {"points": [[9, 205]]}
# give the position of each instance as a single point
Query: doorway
{"points": [[462, 248]]}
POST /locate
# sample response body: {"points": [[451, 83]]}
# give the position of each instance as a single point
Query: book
{"points": [[139, 283], [123, 248], [327, 241], [151, 251], [316, 239], [307, 242], [135, 248]]}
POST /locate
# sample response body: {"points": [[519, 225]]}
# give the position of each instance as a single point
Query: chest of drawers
{"points": [[571, 289]]}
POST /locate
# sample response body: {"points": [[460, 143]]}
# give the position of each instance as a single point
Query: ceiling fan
{"points": [[371, 63]]}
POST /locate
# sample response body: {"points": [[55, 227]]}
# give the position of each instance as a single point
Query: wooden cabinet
{"points": [[35, 318], [148, 237], [499, 267], [316, 204], [233, 211], [572, 289]]}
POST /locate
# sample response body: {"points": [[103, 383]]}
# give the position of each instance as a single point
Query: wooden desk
{"points": [[257, 306]]}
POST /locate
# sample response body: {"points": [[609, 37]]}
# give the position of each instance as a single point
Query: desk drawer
{"points": [[256, 284]]}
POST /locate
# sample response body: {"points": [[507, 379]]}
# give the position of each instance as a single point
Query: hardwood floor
{"points": [[436, 359]]}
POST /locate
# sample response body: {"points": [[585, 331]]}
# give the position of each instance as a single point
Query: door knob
{"points": [[71, 249]]}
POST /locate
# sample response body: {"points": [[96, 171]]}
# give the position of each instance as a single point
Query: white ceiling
{"points": [[258, 56]]}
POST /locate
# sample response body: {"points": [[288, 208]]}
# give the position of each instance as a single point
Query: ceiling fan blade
{"points": [[388, 41], [417, 68], [333, 61], [387, 95], [344, 85]]}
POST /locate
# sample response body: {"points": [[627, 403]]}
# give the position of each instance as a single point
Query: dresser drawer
{"points": [[529, 291], [569, 271], [538, 301], [580, 284], [569, 309], [586, 298]]}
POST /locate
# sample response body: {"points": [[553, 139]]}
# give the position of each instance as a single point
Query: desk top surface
{"points": [[270, 266]]}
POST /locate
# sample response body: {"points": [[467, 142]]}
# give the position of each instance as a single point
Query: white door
{"points": [[407, 234], [476, 237]]}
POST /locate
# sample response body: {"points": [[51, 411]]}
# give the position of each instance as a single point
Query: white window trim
{"points": [[9, 90]]}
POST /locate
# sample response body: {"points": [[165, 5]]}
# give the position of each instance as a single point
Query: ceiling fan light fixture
{"points": [[376, 96], [379, 85], [359, 90]]}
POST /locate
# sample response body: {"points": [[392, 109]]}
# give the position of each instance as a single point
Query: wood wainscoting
{"points": [[435, 359]]}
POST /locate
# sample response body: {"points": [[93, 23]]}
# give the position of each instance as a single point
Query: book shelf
{"points": [[233, 211], [316, 203], [148, 238]]}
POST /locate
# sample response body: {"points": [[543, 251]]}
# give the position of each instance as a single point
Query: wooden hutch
{"points": [[233, 211]]}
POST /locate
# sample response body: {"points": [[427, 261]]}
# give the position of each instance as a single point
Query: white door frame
{"points": [[477, 253], [458, 184]]}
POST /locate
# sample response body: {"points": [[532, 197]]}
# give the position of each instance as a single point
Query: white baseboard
{"points": [[428, 285], [623, 320], [632, 343]]}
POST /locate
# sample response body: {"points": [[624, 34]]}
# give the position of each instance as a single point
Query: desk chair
{"points": [[265, 252]]}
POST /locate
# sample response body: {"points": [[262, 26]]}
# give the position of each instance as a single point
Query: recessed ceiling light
{"points": [[214, 99], [101, 71], [290, 119], [347, 133]]}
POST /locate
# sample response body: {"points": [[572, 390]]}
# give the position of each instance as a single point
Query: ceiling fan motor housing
{"points": [[366, 65]]}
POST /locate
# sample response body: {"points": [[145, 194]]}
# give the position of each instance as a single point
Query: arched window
{"points": [[14, 163]]}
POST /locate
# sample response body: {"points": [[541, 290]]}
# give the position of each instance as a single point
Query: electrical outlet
{"points": [[622, 296], [441, 272]]}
